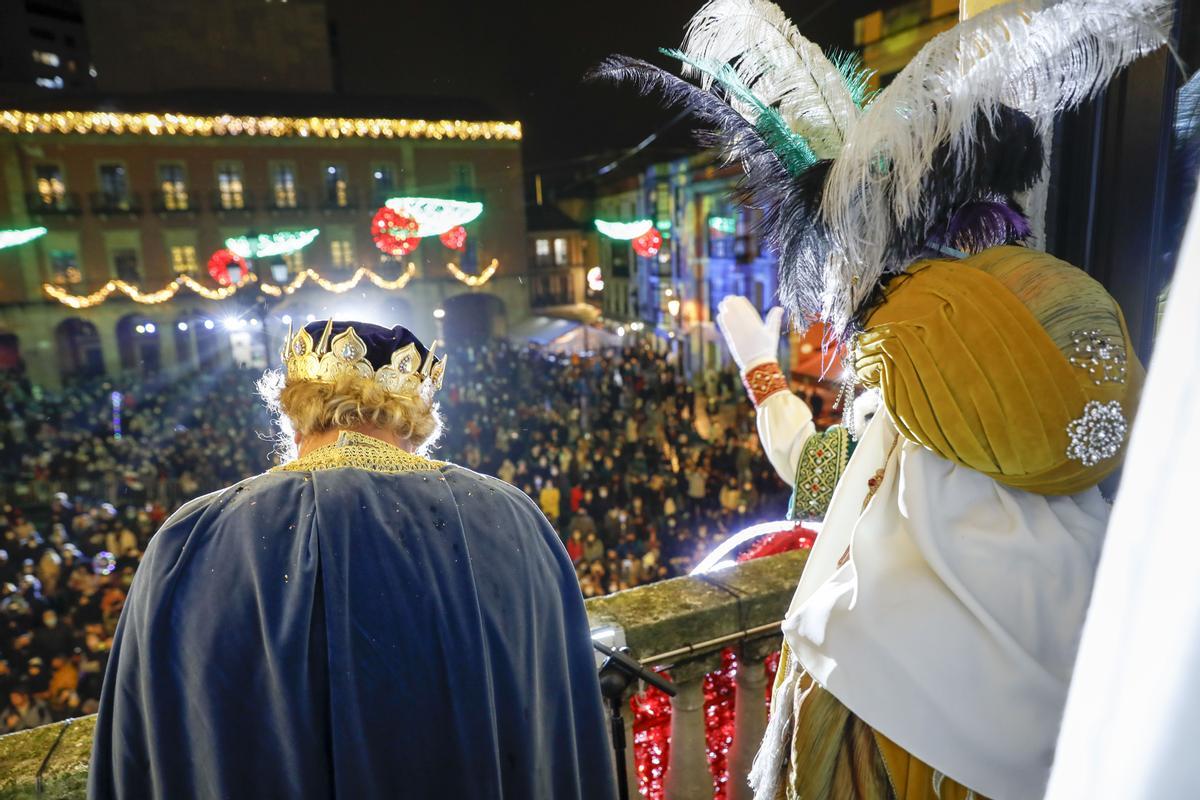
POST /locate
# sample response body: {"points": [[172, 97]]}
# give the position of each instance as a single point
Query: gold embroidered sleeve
{"points": [[822, 463]]}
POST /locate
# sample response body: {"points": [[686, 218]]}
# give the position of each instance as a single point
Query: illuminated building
{"points": [[140, 208]]}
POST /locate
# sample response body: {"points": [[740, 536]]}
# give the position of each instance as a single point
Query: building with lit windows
{"points": [[562, 251], [173, 239], [44, 46]]}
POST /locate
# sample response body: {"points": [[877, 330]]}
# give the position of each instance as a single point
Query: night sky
{"points": [[527, 59]]}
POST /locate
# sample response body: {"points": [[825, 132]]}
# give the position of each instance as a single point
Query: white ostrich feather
{"points": [[1040, 57], [778, 65]]}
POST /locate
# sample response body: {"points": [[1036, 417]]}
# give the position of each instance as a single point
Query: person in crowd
{"points": [[66, 508]]}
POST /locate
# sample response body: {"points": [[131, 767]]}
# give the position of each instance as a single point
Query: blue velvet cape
{"points": [[354, 634]]}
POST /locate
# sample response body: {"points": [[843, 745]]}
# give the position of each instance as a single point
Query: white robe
{"points": [[952, 628]]}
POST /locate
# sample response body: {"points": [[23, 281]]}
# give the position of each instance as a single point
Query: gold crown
{"points": [[347, 353]]}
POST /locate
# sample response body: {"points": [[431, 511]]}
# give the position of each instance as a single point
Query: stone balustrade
{"points": [[681, 624]]}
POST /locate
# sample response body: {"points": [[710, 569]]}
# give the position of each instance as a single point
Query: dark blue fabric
{"points": [[352, 634], [381, 342]]}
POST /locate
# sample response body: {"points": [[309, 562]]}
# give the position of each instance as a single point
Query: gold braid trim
{"points": [[358, 451]]}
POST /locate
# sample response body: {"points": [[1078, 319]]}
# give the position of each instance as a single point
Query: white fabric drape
{"points": [[1133, 717], [952, 629]]}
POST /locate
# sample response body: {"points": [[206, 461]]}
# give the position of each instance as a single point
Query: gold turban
{"points": [[1010, 362]]}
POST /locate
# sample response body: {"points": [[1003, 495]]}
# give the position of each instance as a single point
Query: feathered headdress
{"points": [[853, 186]]}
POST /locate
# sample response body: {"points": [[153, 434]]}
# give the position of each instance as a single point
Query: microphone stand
{"points": [[616, 673]]}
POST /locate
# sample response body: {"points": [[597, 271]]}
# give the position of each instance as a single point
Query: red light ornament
{"points": [[218, 267], [648, 244], [455, 238], [394, 233]]}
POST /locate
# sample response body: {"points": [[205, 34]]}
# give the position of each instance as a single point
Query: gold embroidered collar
{"points": [[360, 452]]}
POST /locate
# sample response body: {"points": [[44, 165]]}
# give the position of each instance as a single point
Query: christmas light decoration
{"points": [[648, 244], [474, 280], [595, 279], [271, 244], [186, 281], [455, 238], [12, 238], [394, 233], [624, 231], [172, 124], [723, 224], [218, 267], [435, 215]]}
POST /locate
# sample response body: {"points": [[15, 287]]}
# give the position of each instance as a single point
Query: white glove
{"points": [[751, 339]]}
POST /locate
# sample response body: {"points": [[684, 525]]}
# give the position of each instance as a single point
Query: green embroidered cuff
{"points": [[821, 465]]}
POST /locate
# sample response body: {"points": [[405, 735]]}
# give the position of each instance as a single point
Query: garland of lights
{"points": [[171, 124], [218, 266], [12, 238], [474, 280], [271, 244], [337, 287], [394, 233], [435, 215], [186, 281], [624, 231]]}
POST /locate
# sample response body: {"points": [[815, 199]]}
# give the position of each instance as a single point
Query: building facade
{"points": [[44, 47], [136, 205]]}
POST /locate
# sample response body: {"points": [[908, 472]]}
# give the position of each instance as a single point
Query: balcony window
{"points": [[337, 194], [183, 259], [114, 186], [283, 184], [462, 175], [125, 265], [560, 252], [229, 186], [341, 252], [172, 181], [542, 252], [50, 186], [294, 261], [64, 267], [383, 182], [47, 58]]}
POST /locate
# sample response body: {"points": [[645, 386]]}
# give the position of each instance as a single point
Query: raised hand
{"points": [[751, 338]]}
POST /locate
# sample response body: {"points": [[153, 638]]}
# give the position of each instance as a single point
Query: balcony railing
{"points": [[110, 204], [231, 202], [295, 200], [346, 201], [44, 205], [682, 625], [173, 203]]}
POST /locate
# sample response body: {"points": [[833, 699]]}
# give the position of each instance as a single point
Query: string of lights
{"points": [[474, 280], [172, 124], [186, 281]]}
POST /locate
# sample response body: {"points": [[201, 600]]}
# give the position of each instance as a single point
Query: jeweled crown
{"points": [[347, 352]]}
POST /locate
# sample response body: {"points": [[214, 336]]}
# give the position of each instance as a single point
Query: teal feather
{"points": [[856, 76], [792, 149]]}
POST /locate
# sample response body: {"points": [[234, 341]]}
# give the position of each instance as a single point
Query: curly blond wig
{"points": [[351, 401]]}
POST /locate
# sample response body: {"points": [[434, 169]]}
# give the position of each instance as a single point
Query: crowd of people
{"points": [[640, 471]]}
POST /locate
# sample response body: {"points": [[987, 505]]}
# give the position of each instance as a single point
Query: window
{"points": [[43, 57], [50, 83], [125, 264], [560, 252], [229, 185], [341, 253], [462, 175], [294, 261], [172, 181], [50, 187], [542, 252], [383, 182], [114, 186], [722, 225], [183, 258], [283, 183], [64, 267], [337, 193]]}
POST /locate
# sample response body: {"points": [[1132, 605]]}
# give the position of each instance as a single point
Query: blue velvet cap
{"points": [[381, 342]]}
